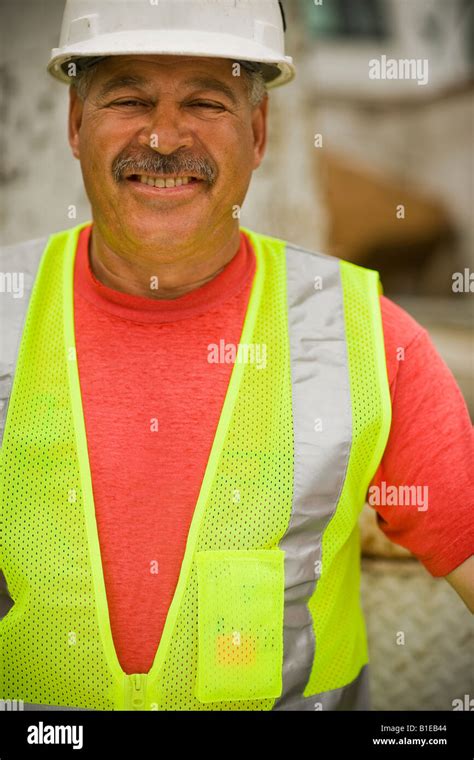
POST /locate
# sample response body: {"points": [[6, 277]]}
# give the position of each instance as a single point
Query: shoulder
{"points": [[401, 331], [18, 267], [22, 257], [293, 250], [19, 264]]}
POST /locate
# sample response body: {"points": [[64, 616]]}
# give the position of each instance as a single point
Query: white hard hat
{"points": [[249, 31]]}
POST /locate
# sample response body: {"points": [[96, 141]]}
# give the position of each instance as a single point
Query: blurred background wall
{"points": [[375, 171]]}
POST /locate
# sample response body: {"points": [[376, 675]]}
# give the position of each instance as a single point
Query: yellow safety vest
{"points": [[266, 613]]}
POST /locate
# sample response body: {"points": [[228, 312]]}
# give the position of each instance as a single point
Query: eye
{"points": [[207, 104], [129, 102]]}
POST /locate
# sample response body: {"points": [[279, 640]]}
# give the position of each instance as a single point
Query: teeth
{"points": [[168, 182]]}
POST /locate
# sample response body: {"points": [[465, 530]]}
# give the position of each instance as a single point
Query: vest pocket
{"points": [[240, 624]]}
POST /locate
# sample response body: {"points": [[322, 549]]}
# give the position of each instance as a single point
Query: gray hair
{"points": [[256, 86]]}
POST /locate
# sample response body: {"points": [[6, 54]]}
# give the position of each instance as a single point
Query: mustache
{"points": [[156, 163]]}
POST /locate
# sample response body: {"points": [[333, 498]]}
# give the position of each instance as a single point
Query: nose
{"points": [[166, 131]]}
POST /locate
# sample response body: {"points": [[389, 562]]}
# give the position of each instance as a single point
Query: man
{"points": [[198, 410]]}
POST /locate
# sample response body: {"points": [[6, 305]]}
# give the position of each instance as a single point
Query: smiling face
{"points": [[167, 146]]}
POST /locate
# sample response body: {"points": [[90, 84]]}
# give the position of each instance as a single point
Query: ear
{"points": [[259, 127], [76, 107]]}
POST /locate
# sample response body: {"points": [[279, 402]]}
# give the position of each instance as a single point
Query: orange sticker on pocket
{"points": [[235, 649]]}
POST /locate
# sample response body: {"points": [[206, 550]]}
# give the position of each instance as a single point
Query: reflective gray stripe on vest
{"points": [[353, 696], [321, 391], [20, 259]]}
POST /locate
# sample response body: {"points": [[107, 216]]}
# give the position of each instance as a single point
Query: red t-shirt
{"points": [[152, 402]]}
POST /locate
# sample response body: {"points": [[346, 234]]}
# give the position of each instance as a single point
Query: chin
{"points": [[162, 232]]}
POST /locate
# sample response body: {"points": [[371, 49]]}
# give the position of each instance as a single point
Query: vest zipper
{"points": [[136, 692]]}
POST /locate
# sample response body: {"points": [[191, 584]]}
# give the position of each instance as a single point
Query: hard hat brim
{"points": [[191, 44]]}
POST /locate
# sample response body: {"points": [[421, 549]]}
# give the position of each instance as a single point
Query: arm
{"points": [[462, 581], [431, 446]]}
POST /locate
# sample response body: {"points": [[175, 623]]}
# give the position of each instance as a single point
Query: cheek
{"points": [[100, 144], [234, 152]]}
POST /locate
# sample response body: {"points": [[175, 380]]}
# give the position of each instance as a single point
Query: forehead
{"points": [[169, 67]]}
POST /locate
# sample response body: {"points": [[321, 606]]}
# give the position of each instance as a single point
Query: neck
{"points": [[163, 273]]}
